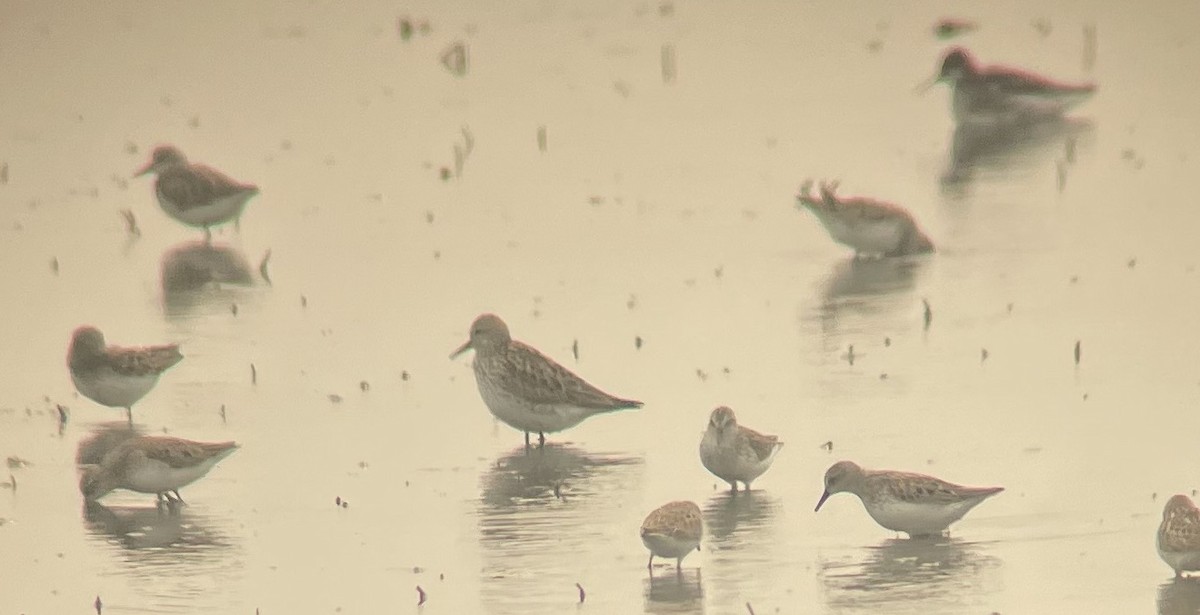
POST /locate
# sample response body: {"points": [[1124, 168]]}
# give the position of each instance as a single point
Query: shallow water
{"points": [[658, 211]]}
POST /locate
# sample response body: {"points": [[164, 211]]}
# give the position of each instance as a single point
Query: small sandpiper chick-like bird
{"points": [[1179, 535], [734, 452], [526, 389], [153, 464], [915, 504], [673, 530], [873, 228], [194, 194], [112, 376], [994, 95]]}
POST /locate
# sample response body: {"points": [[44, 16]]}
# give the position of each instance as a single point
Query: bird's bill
{"points": [[924, 86], [824, 496], [144, 170], [461, 349]]}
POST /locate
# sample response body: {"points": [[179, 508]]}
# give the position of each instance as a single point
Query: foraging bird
{"points": [[872, 228], [673, 530], [195, 194], [1179, 535], [528, 390], [153, 464], [113, 376], [734, 452], [915, 504], [1001, 95]]}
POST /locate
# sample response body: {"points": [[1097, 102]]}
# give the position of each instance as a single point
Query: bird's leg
{"points": [[747, 489], [527, 440], [650, 564], [679, 566], [733, 487], [541, 439], [207, 236], [178, 497], [129, 415]]}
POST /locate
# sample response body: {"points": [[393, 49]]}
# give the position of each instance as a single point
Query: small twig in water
{"points": [[420, 596], [1078, 351], [928, 313], [253, 374], [582, 594], [99, 605], [750, 608], [262, 266], [131, 225]]}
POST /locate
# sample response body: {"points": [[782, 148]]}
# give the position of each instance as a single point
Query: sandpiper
{"points": [[1179, 535], [873, 228], [1002, 95], [734, 452], [915, 504], [194, 194], [526, 389], [673, 530], [153, 464], [112, 376]]}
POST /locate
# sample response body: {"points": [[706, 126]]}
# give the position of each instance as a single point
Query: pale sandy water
{"points": [[659, 211]]}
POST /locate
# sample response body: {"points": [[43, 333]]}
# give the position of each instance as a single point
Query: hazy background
{"points": [[658, 210]]}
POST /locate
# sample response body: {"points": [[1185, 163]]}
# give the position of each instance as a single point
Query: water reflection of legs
{"points": [[1179, 596], [938, 572], [683, 589]]}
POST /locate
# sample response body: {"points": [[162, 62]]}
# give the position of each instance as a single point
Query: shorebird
{"points": [[915, 504], [1179, 535], [153, 464], [1002, 95], [194, 194], [736, 453], [872, 228], [113, 376], [673, 530], [528, 390]]}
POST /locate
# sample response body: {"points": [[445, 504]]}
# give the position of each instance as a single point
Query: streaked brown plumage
{"points": [[1179, 535], [673, 530], [114, 376], [528, 390]]}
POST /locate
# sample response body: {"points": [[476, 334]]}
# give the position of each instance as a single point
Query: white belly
{"points": [[157, 477], [1180, 561], [665, 546], [728, 462], [866, 236], [106, 387], [916, 519], [520, 414], [216, 212]]}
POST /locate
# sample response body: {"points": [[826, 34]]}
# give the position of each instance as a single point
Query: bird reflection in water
{"points": [[1179, 596], [547, 516], [733, 520], [682, 592], [869, 291], [931, 574], [1007, 149], [195, 273], [552, 472]]}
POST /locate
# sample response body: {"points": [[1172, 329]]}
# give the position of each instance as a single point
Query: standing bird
{"points": [[995, 95], [526, 389], [736, 453], [673, 530], [1179, 535], [153, 464], [112, 376], [194, 194], [871, 227], [915, 504]]}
